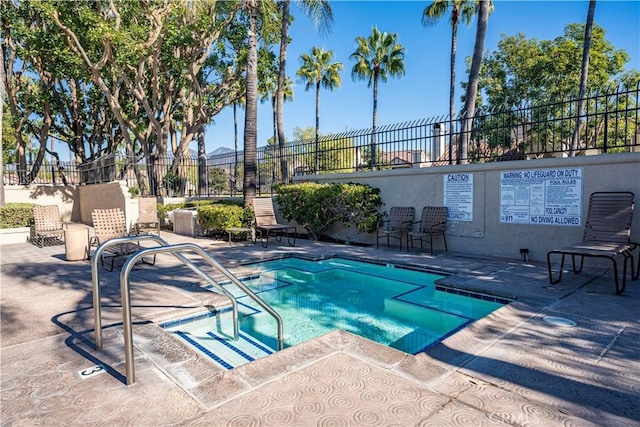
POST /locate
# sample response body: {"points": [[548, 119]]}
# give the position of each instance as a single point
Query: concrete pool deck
{"points": [[510, 368]]}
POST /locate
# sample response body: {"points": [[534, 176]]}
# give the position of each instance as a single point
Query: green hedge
{"points": [[15, 215], [163, 210], [318, 206], [215, 218]]}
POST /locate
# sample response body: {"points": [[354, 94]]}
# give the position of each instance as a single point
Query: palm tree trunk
{"points": [[375, 121], [315, 168], [452, 86], [251, 112], [583, 76], [472, 87], [234, 182], [284, 41]]}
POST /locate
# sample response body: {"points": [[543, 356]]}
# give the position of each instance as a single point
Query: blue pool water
{"points": [[392, 305]]}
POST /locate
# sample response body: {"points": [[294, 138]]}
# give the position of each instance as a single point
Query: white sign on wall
{"points": [[458, 196], [541, 196]]}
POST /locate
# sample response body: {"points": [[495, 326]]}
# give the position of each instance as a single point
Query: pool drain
{"points": [[559, 321]]}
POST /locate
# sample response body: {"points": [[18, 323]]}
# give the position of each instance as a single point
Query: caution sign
{"points": [[458, 196]]}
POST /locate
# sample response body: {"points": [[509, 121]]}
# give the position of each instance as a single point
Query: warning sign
{"points": [[541, 196]]}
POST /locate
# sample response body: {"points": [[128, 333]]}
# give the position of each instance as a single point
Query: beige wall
{"points": [[106, 196], [63, 196], [419, 187], [76, 202]]}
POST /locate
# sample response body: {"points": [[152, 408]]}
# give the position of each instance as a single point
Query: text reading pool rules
{"points": [[541, 196]]}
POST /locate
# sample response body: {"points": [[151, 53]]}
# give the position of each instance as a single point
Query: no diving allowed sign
{"points": [[541, 196]]}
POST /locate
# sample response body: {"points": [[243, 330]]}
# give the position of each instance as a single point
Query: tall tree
{"points": [[317, 70], [165, 62], [258, 12], [551, 70], [377, 57], [251, 109], [267, 88], [461, 10], [583, 75], [322, 17], [474, 74]]}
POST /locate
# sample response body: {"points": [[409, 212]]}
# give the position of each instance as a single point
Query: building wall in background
{"points": [[485, 234]]}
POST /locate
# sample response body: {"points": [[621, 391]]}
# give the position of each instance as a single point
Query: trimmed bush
{"points": [[163, 209], [318, 206], [16, 215], [215, 218]]}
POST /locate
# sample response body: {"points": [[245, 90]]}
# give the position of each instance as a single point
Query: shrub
{"points": [[171, 180], [218, 217], [318, 206], [15, 215]]}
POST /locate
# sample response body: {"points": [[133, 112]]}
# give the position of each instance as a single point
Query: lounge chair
{"points": [[606, 235], [147, 217], [266, 225], [432, 223], [47, 225], [111, 224], [399, 221]]}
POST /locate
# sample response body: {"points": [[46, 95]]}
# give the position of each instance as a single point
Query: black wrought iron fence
{"points": [[609, 124]]}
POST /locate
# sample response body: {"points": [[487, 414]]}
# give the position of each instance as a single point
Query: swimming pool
{"points": [[391, 304]]}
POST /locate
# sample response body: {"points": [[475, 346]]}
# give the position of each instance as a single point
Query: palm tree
{"points": [[583, 74], [377, 57], [472, 88], [251, 110], [461, 10], [253, 9], [237, 103], [317, 70], [322, 16], [267, 88]]}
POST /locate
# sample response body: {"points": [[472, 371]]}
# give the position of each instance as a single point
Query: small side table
{"points": [[238, 230], [76, 242]]}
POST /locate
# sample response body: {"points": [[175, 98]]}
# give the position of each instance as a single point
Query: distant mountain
{"points": [[219, 151]]}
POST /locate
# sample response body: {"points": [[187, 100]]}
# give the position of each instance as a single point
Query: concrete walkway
{"points": [[510, 368]]}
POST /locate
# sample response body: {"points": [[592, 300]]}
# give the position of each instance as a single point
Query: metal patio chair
{"points": [[111, 224], [607, 234], [432, 223], [399, 222], [47, 225], [266, 225], [148, 221]]}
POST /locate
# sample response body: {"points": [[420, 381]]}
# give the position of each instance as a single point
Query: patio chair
{"points": [[606, 234], [266, 225], [47, 225], [432, 223], [147, 217], [399, 221], [111, 224]]}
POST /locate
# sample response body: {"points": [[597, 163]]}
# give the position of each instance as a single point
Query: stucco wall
{"points": [[106, 196], [485, 234], [63, 196]]}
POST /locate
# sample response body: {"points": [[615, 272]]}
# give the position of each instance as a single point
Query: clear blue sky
{"points": [[424, 90]]}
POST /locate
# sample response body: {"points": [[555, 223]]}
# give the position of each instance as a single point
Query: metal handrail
{"points": [[126, 297], [95, 278], [97, 310]]}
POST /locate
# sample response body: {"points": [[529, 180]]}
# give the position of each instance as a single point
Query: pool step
{"points": [[224, 350], [415, 341], [433, 318]]}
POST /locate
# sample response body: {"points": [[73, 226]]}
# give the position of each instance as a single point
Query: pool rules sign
{"points": [[541, 196]]}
